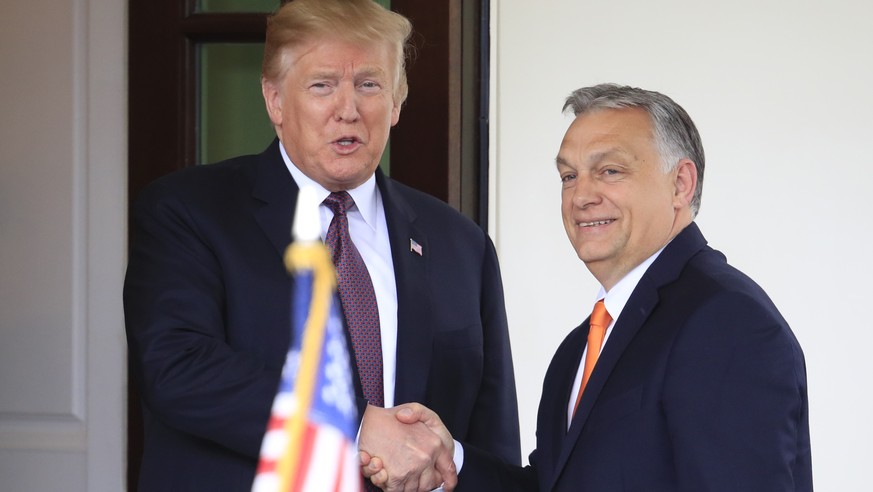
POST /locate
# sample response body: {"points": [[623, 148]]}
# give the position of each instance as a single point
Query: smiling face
{"points": [[334, 108], [617, 205]]}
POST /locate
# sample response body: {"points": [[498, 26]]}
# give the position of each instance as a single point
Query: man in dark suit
{"points": [[207, 298], [700, 384]]}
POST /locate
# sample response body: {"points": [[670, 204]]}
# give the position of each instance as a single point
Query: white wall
{"points": [[62, 244], [781, 93]]}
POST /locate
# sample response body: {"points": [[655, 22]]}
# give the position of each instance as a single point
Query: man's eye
{"points": [[369, 85], [567, 177]]}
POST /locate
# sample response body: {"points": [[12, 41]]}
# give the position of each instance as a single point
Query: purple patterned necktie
{"points": [[357, 297]]}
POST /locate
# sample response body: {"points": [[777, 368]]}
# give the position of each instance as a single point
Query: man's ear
{"points": [[273, 100], [685, 183], [395, 113]]}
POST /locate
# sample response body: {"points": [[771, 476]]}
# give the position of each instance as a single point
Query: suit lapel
{"points": [[552, 416], [414, 333], [640, 305], [275, 194], [632, 318]]}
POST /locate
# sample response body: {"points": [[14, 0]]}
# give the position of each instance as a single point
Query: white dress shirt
{"points": [[369, 232]]}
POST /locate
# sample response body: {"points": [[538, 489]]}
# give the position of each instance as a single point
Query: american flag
{"points": [[309, 445], [415, 247]]}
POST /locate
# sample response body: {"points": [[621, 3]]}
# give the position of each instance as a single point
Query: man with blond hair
{"points": [[207, 298]]}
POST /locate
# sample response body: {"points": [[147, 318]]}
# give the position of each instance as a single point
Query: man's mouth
{"points": [[595, 223], [346, 141], [346, 145]]}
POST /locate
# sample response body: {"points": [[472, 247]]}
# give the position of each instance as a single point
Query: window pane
{"points": [[232, 119], [219, 6]]}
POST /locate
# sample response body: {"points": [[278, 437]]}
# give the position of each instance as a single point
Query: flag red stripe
{"points": [[341, 464], [310, 434]]}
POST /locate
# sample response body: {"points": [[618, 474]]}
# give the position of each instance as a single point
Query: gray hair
{"points": [[675, 135]]}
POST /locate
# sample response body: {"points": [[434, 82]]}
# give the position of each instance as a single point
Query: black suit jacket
{"points": [[700, 387], [207, 310]]}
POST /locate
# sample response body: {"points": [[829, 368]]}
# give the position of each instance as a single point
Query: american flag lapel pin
{"points": [[415, 247]]}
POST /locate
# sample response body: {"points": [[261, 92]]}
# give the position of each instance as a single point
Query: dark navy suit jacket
{"points": [[207, 310], [701, 386]]}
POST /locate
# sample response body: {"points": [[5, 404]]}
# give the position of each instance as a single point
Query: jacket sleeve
{"points": [[191, 378], [494, 423], [484, 472], [735, 399]]}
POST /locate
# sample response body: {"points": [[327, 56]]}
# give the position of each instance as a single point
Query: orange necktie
{"points": [[600, 320]]}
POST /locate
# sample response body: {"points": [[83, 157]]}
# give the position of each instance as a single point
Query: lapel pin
{"points": [[415, 247]]}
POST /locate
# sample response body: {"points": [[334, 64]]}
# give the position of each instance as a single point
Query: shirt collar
{"points": [[617, 297], [364, 195]]}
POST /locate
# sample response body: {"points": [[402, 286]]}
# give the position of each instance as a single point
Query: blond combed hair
{"points": [[361, 21]]}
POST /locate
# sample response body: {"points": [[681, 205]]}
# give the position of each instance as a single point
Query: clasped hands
{"points": [[406, 448]]}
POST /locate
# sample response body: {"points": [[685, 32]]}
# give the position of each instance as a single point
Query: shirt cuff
{"points": [[458, 458]]}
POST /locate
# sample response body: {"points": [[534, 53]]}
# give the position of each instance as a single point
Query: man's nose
{"points": [[585, 191], [346, 103]]}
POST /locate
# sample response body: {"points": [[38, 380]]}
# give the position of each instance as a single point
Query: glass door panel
{"points": [[235, 6], [232, 119]]}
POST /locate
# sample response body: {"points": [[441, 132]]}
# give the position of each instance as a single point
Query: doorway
{"points": [[184, 55]]}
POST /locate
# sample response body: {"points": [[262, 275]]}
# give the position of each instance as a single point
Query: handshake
{"points": [[407, 448]]}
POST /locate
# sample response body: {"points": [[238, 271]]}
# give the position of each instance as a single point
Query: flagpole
{"points": [[307, 252]]}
